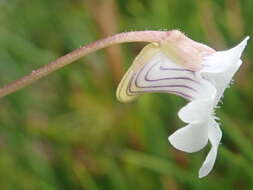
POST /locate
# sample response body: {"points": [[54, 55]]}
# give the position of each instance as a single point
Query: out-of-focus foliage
{"points": [[68, 131]]}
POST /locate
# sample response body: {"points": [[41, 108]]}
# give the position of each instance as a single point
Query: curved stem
{"points": [[137, 36]]}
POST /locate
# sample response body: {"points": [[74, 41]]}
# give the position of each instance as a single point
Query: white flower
{"points": [[156, 69]]}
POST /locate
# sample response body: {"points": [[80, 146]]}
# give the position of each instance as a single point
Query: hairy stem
{"points": [[137, 36]]}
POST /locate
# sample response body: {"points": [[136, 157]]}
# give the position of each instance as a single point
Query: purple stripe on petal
{"points": [[160, 86], [130, 92], [176, 69], [168, 78]]}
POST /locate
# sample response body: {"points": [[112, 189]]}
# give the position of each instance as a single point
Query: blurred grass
{"points": [[68, 131]]}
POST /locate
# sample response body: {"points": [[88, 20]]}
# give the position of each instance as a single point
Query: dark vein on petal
{"points": [[168, 78], [131, 92], [176, 69], [159, 86]]}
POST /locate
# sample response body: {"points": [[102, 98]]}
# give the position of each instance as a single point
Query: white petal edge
{"points": [[220, 67], [197, 111], [220, 61], [200, 109], [214, 135], [191, 138]]}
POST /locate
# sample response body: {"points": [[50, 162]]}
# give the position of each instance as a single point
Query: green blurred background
{"points": [[68, 131]]}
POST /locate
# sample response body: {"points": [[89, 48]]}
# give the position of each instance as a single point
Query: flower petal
{"points": [[145, 55], [220, 67], [158, 73], [196, 111], [191, 138], [220, 61], [200, 109], [214, 135]]}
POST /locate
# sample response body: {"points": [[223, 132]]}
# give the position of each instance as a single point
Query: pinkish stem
{"points": [[137, 36]]}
